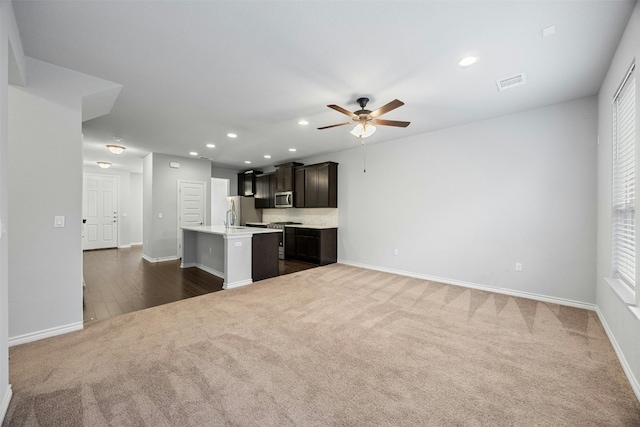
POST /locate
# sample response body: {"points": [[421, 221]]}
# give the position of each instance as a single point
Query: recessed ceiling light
{"points": [[303, 122], [266, 156], [211, 145], [232, 135], [292, 149], [193, 153], [247, 161], [468, 61]]}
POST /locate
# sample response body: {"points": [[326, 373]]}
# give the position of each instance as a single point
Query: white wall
{"points": [[619, 320], [161, 234], [50, 295], [45, 180], [11, 70], [124, 201], [465, 204], [231, 175], [135, 209]]}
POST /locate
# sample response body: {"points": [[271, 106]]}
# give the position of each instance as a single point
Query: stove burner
{"points": [[280, 225]]}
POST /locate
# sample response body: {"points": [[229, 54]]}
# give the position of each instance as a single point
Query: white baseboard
{"points": [[210, 270], [5, 403], [52, 332], [124, 246], [136, 243], [237, 284], [537, 297], [159, 259], [635, 385]]}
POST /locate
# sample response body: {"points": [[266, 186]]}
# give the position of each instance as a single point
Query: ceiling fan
{"points": [[365, 119]]}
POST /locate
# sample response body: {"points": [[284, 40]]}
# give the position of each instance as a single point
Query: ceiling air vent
{"points": [[513, 81]]}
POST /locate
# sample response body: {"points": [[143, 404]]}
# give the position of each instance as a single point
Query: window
{"points": [[624, 182]]}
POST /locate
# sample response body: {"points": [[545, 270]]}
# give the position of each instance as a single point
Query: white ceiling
{"points": [[194, 71]]}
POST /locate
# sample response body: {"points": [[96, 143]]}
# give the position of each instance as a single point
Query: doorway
{"points": [[99, 211], [191, 207]]}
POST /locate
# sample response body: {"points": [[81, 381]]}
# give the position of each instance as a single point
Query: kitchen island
{"points": [[238, 255]]}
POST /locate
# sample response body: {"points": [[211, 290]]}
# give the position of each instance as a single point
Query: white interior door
{"points": [[100, 211], [191, 208]]}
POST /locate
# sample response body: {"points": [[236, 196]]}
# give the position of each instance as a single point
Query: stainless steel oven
{"points": [[281, 239]]}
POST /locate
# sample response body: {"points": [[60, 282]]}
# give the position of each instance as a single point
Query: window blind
{"points": [[624, 183]]}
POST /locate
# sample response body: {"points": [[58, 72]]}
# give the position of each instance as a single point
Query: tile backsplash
{"points": [[308, 216]]}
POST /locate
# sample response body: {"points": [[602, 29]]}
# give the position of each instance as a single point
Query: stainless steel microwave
{"points": [[284, 199]]}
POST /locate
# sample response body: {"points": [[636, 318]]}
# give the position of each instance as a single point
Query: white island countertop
{"points": [[231, 231]]}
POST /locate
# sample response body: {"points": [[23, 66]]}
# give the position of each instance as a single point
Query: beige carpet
{"points": [[336, 345]]}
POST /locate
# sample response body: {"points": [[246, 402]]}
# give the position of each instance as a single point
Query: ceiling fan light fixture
{"points": [[363, 131], [115, 149], [104, 165]]}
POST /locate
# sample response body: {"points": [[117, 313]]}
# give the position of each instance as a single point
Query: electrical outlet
{"points": [[395, 252], [518, 266]]}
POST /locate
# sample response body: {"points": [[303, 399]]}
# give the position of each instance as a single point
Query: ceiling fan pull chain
{"points": [[364, 155]]}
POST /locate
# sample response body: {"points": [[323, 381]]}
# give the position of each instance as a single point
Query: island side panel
{"points": [[264, 256], [189, 241], [237, 261], [210, 253]]}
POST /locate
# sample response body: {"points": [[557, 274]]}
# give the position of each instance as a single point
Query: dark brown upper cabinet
{"points": [[285, 176], [265, 191], [247, 182], [316, 186]]}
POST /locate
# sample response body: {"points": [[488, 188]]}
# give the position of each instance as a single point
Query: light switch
{"points": [[238, 244], [124, 214], [160, 215], [58, 221]]}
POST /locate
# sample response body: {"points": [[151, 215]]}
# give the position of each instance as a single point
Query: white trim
{"points": [[5, 403], [136, 243], [159, 259], [237, 284], [124, 246], [46, 333], [210, 270], [537, 297], [635, 385]]}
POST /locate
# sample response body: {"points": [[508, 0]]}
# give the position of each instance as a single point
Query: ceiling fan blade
{"points": [[332, 126], [390, 123], [342, 110], [386, 108]]}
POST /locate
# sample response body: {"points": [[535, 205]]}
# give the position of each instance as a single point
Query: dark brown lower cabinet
{"points": [[264, 256], [317, 246]]}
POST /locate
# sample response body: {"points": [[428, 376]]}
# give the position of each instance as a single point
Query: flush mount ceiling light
{"points": [[193, 153], [292, 149], [211, 145], [266, 156], [363, 130], [115, 149], [303, 122], [365, 118], [467, 62], [232, 135], [104, 165], [247, 161]]}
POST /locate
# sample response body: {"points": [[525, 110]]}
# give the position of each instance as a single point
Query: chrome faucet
{"points": [[228, 223], [234, 217]]}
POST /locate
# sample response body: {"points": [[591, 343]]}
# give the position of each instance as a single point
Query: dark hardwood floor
{"points": [[119, 281]]}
